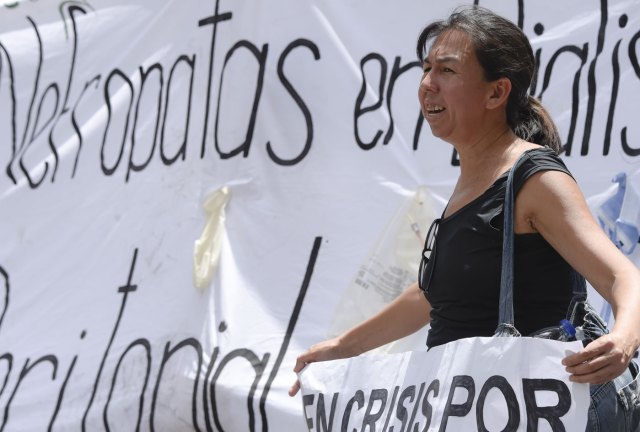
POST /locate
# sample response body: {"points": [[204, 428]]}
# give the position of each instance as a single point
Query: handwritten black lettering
{"points": [[166, 356], [24, 146], [182, 149], [144, 74], [141, 342], [261, 57], [116, 73], [325, 425], [392, 404], [26, 369], [582, 54], [307, 400], [164, 103], [298, 100], [358, 399], [396, 71], [359, 110], [551, 414], [402, 413], [141, 354], [125, 290], [413, 398], [546, 68], [427, 408], [458, 410], [213, 20], [633, 57], [501, 384], [378, 396], [413, 426], [54, 416]]}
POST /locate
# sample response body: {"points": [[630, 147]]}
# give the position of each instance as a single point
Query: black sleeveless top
{"points": [[464, 284]]}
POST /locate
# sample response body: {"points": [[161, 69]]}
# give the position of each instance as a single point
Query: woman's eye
{"points": [[447, 70]]}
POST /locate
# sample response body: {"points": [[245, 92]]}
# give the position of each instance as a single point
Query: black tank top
{"points": [[464, 283]]}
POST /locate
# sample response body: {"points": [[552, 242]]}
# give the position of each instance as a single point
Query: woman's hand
{"points": [[330, 349], [602, 360], [408, 313]]}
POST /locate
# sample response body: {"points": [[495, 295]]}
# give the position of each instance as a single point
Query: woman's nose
{"points": [[427, 83]]}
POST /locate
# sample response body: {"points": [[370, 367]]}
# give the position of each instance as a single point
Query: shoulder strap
{"points": [[505, 323], [506, 320]]}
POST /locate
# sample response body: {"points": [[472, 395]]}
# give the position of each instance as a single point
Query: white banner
{"points": [[483, 384], [193, 192]]}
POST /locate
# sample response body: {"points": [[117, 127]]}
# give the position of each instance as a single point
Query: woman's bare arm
{"points": [[408, 313], [551, 203]]}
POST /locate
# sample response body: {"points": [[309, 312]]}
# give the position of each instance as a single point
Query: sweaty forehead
{"points": [[450, 45]]}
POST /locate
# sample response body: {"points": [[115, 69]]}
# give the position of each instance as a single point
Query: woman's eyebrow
{"points": [[450, 58]]}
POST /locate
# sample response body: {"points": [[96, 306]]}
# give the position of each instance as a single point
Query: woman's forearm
{"points": [[625, 302], [408, 313]]}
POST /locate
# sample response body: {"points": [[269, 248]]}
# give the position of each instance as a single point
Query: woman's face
{"points": [[453, 90]]}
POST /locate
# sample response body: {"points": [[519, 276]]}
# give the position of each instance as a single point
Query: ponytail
{"points": [[533, 123]]}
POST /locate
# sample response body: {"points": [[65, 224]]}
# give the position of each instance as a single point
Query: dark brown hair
{"points": [[503, 51]]}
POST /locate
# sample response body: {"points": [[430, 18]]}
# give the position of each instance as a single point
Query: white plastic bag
{"points": [[390, 267]]}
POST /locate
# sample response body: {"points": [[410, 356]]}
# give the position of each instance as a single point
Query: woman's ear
{"points": [[499, 93]]}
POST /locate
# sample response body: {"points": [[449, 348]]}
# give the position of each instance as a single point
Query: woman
{"points": [[473, 93]]}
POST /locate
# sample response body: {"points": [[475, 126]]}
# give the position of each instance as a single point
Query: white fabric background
{"points": [[119, 119]]}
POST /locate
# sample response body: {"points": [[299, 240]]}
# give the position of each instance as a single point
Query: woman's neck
{"points": [[490, 152], [482, 163]]}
